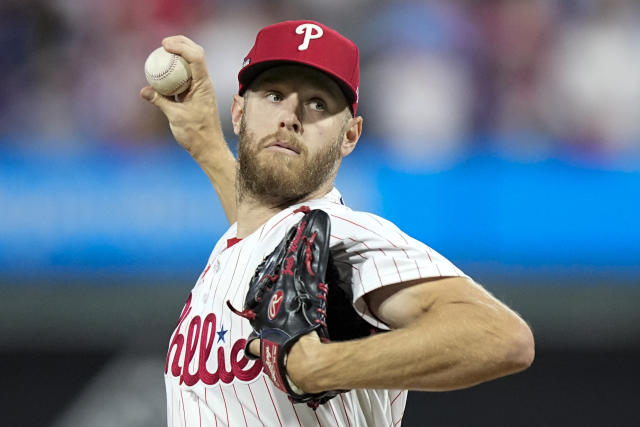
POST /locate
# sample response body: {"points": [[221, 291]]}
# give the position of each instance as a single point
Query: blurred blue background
{"points": [[148, 212], [504, 134]]}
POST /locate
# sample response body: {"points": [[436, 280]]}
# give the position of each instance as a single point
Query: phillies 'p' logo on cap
{"points": [[310, 31], [308, 43]]}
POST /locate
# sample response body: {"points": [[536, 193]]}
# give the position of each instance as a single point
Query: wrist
{"points": [[201, 140], [307, 368], [292, 385], [212, 155]]}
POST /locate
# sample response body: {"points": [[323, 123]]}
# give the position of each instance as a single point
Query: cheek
{"points": [[325, 132], [259, 114], [257, 124]]}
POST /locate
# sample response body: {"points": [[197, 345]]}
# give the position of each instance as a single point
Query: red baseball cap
{"points": [[309, 43]]}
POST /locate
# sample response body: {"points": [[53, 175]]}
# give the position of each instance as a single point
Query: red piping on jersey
{"points": [[232, 241]]}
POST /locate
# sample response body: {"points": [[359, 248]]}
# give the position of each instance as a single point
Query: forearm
{"points": [[200, 133], [447, 348], [219, 165]]}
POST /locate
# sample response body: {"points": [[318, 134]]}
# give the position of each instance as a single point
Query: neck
{"points": [[254, 211]]}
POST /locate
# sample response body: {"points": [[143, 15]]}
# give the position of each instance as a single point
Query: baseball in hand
{"points": [[169, 74]]}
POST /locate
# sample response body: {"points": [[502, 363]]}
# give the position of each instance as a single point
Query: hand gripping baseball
{"points": [[287, 299], [197, 110]]}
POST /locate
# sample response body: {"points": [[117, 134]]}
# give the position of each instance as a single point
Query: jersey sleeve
{"points": [[371, 252]]}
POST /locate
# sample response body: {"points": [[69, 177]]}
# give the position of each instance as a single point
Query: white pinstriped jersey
{"points": [[208, 380]]}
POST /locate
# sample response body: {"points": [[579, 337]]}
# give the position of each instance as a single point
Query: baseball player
{"points": [[296, 117]]}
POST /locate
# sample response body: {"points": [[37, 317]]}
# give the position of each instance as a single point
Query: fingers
{"points": [[190, 51], [254, 347]]}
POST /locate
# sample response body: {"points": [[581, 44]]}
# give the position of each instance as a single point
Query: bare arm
{"points": [[451, 334], [195, 122]]}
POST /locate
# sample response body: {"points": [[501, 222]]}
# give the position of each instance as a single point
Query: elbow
{"points": [[519, 348]]}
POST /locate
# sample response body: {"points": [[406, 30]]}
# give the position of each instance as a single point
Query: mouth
{"points": [[283, 147]]}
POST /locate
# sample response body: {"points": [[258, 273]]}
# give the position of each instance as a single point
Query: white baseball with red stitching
{"points": [[169, 74]]}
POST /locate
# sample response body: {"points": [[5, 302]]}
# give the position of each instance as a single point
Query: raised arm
{"points": [[194, 120], [448, 334]]}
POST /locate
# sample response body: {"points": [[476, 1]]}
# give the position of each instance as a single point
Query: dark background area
{"points": [[562, 388]]}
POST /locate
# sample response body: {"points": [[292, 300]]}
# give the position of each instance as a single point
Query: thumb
{"points": [[153, 97]]}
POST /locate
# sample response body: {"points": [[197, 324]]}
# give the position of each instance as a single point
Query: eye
{"points": [[274, 96], [317, 105]]}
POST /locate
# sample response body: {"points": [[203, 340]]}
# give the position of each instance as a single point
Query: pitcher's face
{"points": [[291, 133]]}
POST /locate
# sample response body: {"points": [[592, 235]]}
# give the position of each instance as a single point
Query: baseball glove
{"points": [[287, 299]]}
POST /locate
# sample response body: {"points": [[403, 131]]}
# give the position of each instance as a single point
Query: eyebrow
{"points": [[315, 82]]}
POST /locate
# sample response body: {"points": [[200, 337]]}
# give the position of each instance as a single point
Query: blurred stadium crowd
{"points": [[530, 78], [535, 105]]}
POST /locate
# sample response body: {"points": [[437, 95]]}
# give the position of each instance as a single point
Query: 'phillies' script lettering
{"points": [[199, 338]]}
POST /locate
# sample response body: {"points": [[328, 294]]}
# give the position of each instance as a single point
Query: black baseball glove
{"points": [[287, 299]]}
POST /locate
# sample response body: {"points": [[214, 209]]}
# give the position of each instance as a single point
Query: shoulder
{"points": [[346, 222], [349, 220], [360, 220], [222, 242]]}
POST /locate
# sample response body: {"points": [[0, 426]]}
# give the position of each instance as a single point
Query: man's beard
{"points": [[280, 179]]}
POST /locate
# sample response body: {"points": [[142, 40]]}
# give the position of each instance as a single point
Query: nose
{"points": [[290, 115]]}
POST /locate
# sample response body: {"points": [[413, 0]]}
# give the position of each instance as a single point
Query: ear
{"points": [[237, 107], [352, 135]]}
